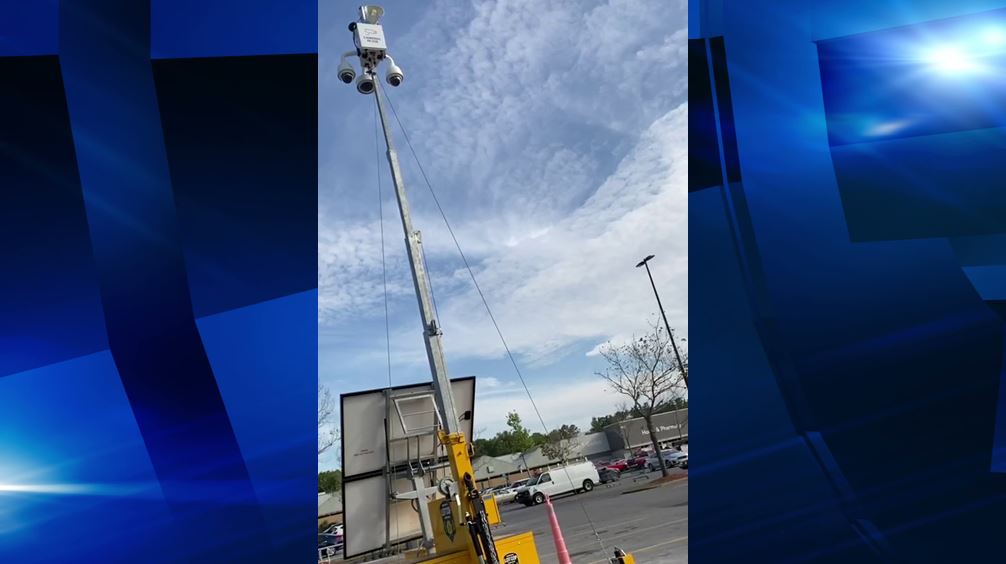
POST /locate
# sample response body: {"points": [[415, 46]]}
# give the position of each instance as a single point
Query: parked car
{"points": [[670, 460], [621, 464], [504, 494], [329, 547], [576, 477], [637, 462], [683, 462], [331, 541], [606, 475]]}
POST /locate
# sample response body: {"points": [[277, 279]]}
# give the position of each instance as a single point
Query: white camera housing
{"points": [[365, 84], [370, 44], [394, 76], [346, 72]]}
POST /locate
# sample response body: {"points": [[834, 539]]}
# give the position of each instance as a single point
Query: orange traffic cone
{"points": [[560, 544]]}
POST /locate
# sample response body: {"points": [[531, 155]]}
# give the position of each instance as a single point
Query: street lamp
{"points": [[646, 263]]}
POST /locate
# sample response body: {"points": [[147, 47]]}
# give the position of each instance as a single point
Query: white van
{"points": [[577, 477]]}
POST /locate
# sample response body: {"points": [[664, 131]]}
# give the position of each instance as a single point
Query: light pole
{"points": [[646, 263]]}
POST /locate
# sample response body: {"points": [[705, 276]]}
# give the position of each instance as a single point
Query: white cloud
{"points": [[489, 382], [350, 271], [520, 73], [578, 280], [555, 134], [570, 402]]}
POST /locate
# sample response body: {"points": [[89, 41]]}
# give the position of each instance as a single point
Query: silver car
{"points": [[508, 493], [671, 459]]}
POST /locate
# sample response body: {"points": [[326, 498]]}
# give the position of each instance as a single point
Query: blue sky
{"points": [[555, 136]]}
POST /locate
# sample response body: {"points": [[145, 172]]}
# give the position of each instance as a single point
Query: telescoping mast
{"points": [[466, 516]]}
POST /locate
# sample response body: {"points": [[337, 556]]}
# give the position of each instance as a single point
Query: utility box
{"points": [[492, 509], [461, 557], [449, 535], [517, 549], [369, 37], [370, 44], [453, 540]]}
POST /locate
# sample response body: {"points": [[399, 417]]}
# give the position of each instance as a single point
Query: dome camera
{"points": [[395, 76], [365, 84], [346, 72]]}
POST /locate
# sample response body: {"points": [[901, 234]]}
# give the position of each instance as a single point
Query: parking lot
{"points": [[651, 524]]}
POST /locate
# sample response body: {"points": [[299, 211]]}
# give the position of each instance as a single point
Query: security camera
{"points": [[365, 84], [395, 76], [346, 72]]}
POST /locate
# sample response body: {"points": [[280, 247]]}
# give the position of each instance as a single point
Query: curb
{"points": [[658, 484]]}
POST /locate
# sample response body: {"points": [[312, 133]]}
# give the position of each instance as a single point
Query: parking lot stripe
{"points": [[660, 544], [646, 548], [587, 532], [636, 531]]}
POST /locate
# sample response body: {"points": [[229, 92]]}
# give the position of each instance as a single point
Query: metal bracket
{"points": [[422, 494]]}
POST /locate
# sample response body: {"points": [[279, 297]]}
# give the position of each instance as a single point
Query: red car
{"points": [[621, 464], [638, 462]]}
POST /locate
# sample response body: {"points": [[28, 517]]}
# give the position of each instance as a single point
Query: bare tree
{"points": [[645, 371], [327, 434], [624, 407]]}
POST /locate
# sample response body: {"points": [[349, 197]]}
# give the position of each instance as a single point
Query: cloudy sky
{"points": [[555, 136]]}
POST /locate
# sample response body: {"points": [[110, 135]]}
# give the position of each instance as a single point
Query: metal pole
{"points": [[413, 244], [684, 373]]}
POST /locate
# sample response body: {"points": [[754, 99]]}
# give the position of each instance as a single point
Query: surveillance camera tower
{"points": [[372, 51]]}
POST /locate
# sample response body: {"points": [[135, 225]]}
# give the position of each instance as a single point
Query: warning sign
{"points": [[448, 516]]}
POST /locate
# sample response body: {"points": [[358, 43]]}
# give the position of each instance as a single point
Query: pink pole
{"points": [[560, 544]]}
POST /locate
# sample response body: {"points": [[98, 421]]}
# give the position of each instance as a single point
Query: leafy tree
{"points": [[515, 439], [561, 443], [564, 432], [485, 447], [646, 372], [329, 481], [598, 424], [518, 438], [517, 429]]}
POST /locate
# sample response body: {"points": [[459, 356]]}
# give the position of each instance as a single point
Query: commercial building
{"points": [[615, 441], [498, 470], [329, 509], [671, 428]]}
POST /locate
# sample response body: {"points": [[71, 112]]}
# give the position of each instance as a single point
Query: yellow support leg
{"points": [[622, 558], [453, 541]]}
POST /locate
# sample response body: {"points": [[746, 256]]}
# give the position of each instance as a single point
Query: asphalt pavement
{"points": [[651, 524]]}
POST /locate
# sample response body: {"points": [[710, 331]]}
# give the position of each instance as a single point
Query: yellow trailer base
{"points": [[517, 549], [513, 549], [461, 557]]}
